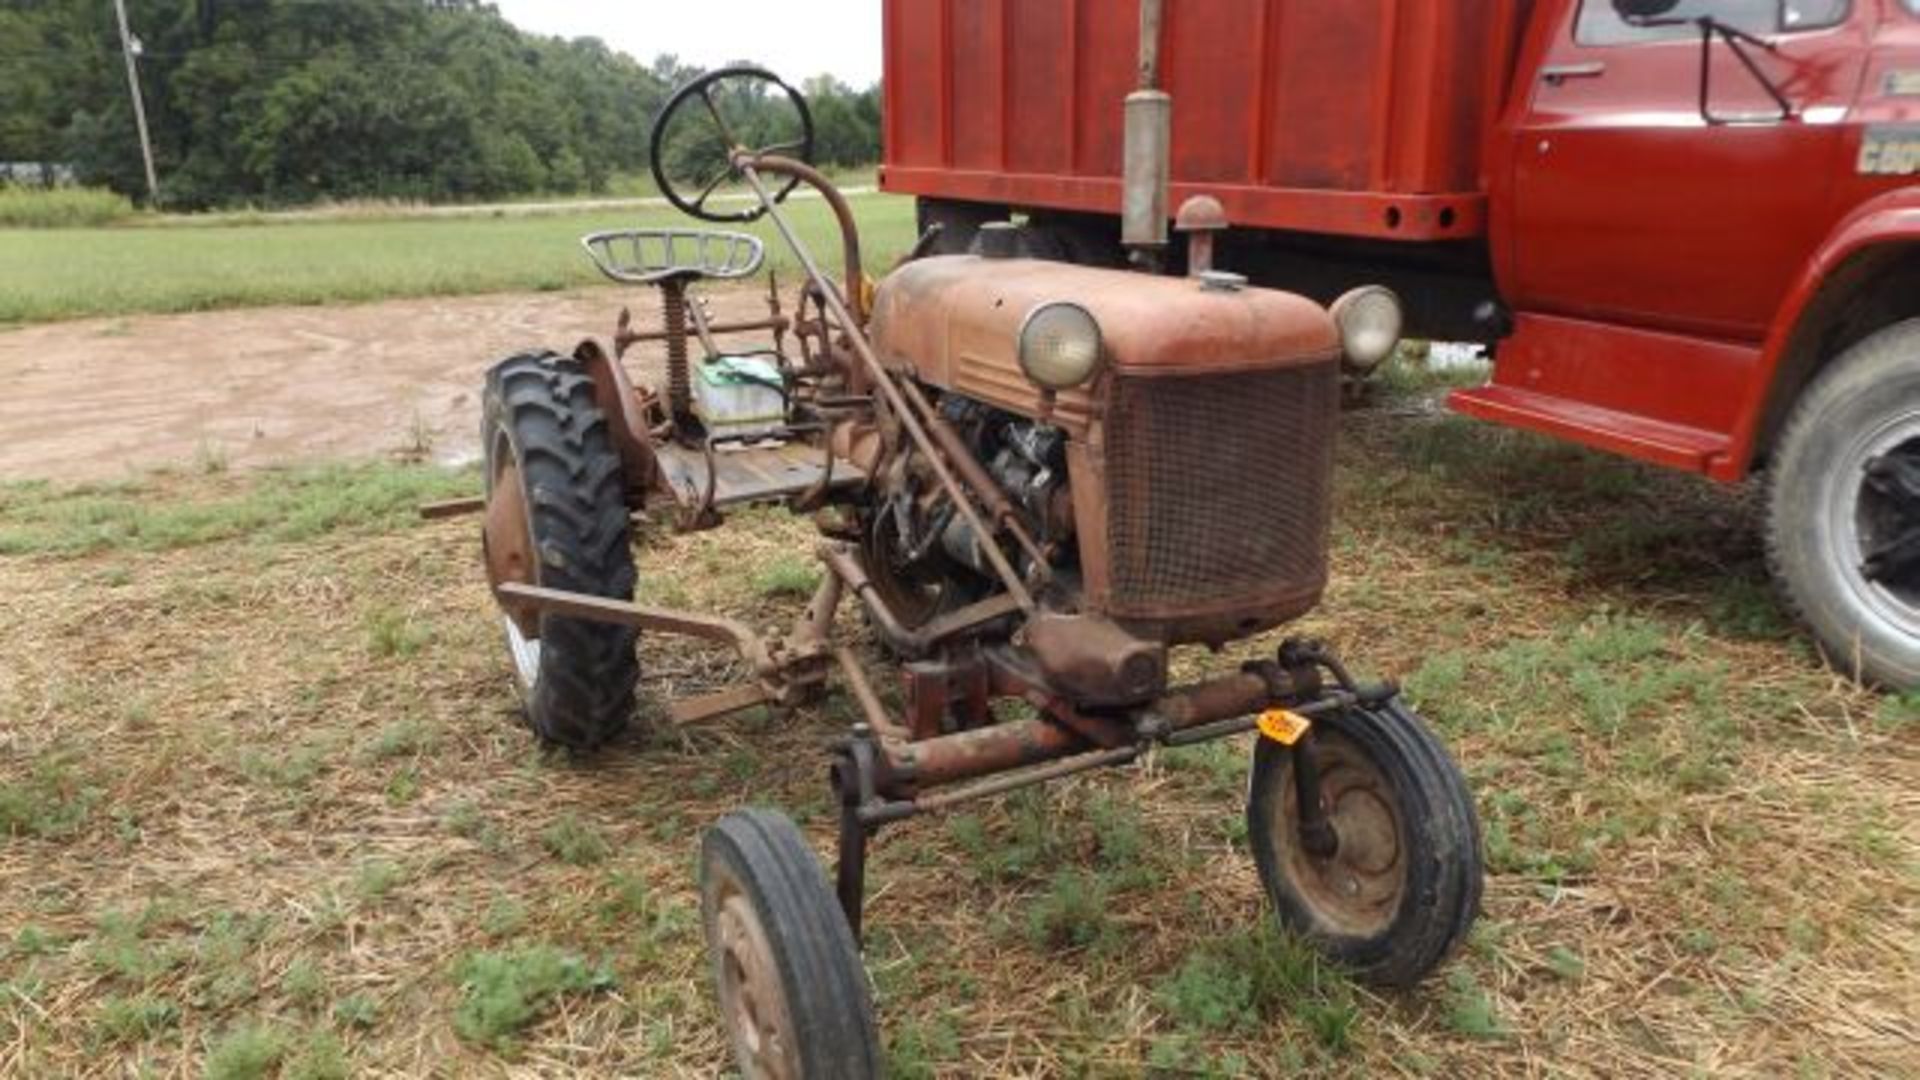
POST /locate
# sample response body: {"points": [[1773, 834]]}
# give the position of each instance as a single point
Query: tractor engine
{"points": [[1167, 442], [1027, 459]]}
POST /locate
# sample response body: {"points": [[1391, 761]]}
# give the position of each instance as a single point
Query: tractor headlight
{"points": [[1370, 320], [1060, 345]]}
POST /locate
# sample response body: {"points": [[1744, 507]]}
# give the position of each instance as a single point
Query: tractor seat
{"points": [[654, 256]]}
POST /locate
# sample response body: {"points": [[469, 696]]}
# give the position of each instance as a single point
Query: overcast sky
{"points": [[796, 38]]}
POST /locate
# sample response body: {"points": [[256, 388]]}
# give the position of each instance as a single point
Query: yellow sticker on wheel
{"points": [[1283, 727]]}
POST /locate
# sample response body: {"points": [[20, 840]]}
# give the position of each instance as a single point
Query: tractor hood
{"points": [[955, 321]]}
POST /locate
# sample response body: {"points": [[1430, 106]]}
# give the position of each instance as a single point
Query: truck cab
{"points": [[1657, 206], [1688, 230]]}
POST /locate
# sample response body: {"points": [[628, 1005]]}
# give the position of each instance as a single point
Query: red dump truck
{"points": [[1688, 230]]}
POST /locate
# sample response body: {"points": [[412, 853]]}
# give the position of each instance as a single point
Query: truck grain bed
{"points": [[1018, 102]]}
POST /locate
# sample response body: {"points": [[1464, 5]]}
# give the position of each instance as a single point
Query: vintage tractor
{"points": [[1035, 480]]}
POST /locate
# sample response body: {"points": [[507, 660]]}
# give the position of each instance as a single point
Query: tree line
{"points": [[277, 102]]}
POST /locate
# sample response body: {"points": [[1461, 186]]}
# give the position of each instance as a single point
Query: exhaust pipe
{"points": [[1148, 149]]}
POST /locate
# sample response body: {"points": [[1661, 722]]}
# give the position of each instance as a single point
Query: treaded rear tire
{"points": [[755, 864], [1873, 384], [1438, 843], [539, 408]]}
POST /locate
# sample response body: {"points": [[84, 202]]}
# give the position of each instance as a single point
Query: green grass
{"points": [[396, 634], [378, 877], [248, 1052], [136, 1019], [122, 948], [621, 186], [575, 842], [320, 1057], [1470, 1010], [48, 274], [917, 1050], [1566, 963], [288, 770], [303, 982], [406, 737], [1248, 978], [787, 575], [34, 941], [502, 993], [61, 208], [356, 1011], [223, 969], [1072, 913], [50, 801], [653, 923], [37, 518]]}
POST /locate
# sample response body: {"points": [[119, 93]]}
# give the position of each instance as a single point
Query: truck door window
{"points": [[1601, 24]]}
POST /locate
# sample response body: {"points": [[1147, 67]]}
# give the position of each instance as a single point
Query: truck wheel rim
{"points": [[1866, 519], [753, 1003], [1357, 891]]}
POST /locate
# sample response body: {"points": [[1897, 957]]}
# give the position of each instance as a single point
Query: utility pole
{"points": [[128, 50]]}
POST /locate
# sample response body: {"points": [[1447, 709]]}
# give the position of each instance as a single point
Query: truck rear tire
{"points": [[959, 222], [1843, 530], [557, 518]]}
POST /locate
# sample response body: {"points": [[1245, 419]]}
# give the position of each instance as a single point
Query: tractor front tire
{"points": [[557, 518], [1843, 528], [793, 994], [1402, 887]]}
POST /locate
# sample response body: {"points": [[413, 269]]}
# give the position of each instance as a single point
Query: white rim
{"points": [[1897, 611], [524, 650], [526, 654]]}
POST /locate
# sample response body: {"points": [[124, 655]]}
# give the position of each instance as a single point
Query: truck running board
{"points": [[1660, 442]]}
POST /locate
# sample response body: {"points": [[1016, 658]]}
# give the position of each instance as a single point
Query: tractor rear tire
{"points": [[1826, 517], [544, 434], [1403, 887], [793, 993]]}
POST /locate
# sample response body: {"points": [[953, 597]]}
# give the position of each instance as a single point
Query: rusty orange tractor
{"points": [[1035, 480]]}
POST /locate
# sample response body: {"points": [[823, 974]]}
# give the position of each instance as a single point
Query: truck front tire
{"points": [[1843, 532]]}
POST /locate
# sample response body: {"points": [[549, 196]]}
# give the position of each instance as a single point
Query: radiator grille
{"points": [[1219, 488]]}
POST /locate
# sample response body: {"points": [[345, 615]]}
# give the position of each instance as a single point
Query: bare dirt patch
{"points": [[97, 398]]}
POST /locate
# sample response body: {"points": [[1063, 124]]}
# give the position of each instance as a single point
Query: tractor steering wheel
{"points": [[709, 154]]}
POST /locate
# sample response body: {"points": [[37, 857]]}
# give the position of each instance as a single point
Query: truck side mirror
{"points": [[1633, 11]]}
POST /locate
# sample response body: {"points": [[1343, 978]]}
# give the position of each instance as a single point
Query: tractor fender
{"points": [[626, 420], [1788, 359]]}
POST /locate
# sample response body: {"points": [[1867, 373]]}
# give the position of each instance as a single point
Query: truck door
{"points": [[1661, 185]]}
